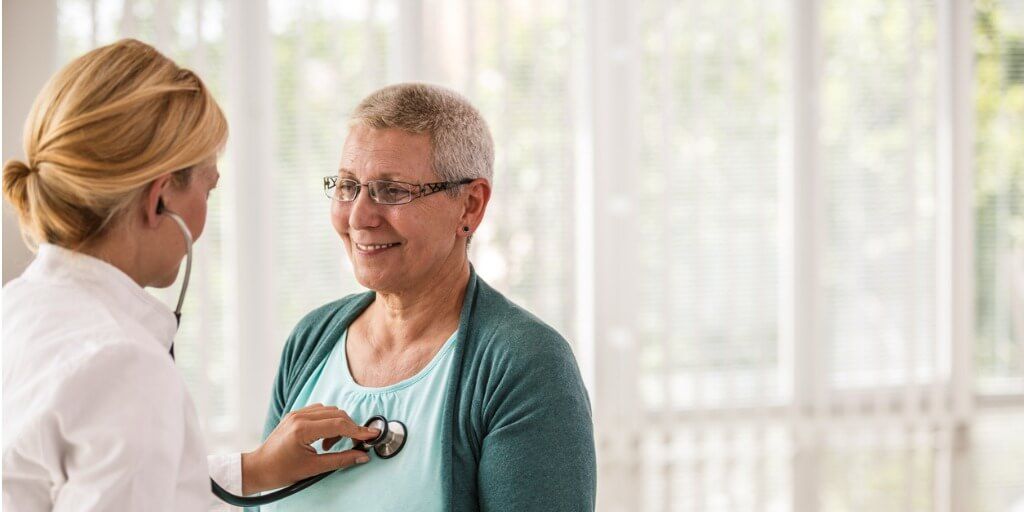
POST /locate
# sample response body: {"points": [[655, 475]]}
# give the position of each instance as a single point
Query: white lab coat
{"points": [[95, 414]]}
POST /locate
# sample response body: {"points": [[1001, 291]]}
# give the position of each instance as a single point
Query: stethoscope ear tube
{"points": [[188, 257]]}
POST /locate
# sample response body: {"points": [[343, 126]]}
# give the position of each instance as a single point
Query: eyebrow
{"points": [[386, 176]]}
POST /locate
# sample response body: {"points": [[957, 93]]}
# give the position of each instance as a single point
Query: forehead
{"points": [[370, 153]]}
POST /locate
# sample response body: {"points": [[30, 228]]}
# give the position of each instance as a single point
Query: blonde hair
{"points": [[102, 128], [460, 139]]}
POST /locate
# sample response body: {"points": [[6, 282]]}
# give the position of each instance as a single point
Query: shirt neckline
{"points": [[426, 370]]}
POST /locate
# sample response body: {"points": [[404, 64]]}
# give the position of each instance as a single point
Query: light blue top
{"points": [[412, 479]]}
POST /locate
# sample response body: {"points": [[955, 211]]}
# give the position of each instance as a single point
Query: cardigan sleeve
{"points": [[538, 449]]}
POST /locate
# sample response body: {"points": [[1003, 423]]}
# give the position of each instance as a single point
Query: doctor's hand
{"points": [[287, 457]]}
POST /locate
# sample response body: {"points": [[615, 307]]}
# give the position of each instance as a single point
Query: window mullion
{"points": [[801, 333], [954, 252], [247, 244], [607, 212]]}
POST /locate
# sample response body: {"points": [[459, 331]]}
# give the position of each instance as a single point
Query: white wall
{"points": [[29, 57]]}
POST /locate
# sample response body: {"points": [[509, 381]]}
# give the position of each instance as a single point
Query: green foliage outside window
{"points": [[999, 186]]}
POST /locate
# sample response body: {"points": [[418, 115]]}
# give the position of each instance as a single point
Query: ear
{"points": [[151, 198], [477, 196]]}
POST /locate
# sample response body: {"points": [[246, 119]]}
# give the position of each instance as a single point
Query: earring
{"points": [[465, 229]]}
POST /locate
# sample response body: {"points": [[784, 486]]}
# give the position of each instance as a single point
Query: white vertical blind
{"points": [[737, 212]]}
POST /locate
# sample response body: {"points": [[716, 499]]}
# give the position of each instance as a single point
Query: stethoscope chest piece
{"points": [[390, 441]]}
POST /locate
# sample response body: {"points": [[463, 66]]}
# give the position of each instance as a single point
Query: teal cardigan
{"points": [[517, 428]]}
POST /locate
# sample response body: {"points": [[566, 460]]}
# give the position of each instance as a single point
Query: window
{"points": [[749, 218], [999, 210]]}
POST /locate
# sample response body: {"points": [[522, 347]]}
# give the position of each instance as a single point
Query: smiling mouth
{"points": [[375, 247]]}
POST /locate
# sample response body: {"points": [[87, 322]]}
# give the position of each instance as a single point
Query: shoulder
{"points": [[49, 326], [37, 302], [516, 348], [508, 332], [519, 366]]}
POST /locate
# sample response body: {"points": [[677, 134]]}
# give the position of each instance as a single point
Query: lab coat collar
{"points": [[127, 301]]}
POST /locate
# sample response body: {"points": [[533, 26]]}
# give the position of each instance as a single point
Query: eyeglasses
{"points": [[384, 191]]}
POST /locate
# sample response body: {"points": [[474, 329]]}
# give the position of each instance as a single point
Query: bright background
{"points": [[785, 237]]}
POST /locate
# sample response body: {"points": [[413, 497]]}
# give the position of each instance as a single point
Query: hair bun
{"points": [[16, 174], [15, 167]]}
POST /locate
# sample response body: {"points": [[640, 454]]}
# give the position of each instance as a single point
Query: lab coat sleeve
{"points": [[121, 432], [537, 452], [226, 470]]}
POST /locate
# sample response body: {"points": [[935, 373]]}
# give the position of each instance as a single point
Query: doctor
{"points": [[120, 146]]}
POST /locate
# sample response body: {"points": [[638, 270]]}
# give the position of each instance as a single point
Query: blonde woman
{"points": [[121, 156]]}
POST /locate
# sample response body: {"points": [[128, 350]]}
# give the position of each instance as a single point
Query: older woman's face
{"points": [[395, 248]]}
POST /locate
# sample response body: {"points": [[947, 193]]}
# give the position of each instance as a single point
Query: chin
{"points": [[378, 280], [166, 281]]}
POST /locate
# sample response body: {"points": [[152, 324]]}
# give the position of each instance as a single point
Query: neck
{"points": [[118, 251], [398, 320]]}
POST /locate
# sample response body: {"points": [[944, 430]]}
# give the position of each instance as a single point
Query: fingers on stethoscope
{"points": [[320, 412], [312, 429], [329, 423], [340, 460], [344, 427]]}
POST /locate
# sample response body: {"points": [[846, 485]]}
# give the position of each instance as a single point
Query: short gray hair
{"points": [[460, 139]]}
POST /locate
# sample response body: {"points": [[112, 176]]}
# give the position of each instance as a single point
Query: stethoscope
{"points": [[387, 444]]}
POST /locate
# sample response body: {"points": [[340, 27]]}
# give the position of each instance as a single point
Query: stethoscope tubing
{"points": [[220, 492], [188, 259], [265, 499]]}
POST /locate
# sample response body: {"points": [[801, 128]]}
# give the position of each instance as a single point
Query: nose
{"points": [[363, 212]]}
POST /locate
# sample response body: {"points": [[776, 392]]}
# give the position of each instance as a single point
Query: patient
{"points": [[497, 414]]}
